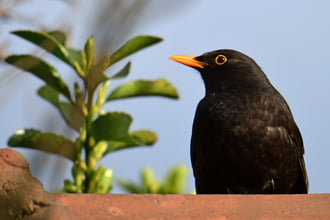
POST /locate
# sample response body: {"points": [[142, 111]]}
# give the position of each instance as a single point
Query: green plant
{"points": [[174, 182], [98, 133]]}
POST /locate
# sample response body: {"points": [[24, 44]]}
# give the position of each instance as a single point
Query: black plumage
{"points": [[244, 137]]}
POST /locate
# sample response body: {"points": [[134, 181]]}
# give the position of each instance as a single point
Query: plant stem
{"points": [[89, 144]]}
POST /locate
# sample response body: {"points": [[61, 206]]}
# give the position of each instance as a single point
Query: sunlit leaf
{"points": [[90, 53], [101, 97], [96, 75], [134, 139], [159, 87], [123, 72], [176, 180], [145, 137], [42, 70], [149, 181], [100, 181], [132, 46], [47, 142], [75, 57], [59, 36], [48, 43], [80, 177]]}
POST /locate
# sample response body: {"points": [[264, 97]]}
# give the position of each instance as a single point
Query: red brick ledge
{"points": [[22, 197], [210, 207]]}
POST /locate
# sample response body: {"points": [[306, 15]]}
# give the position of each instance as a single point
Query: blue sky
{"points": [[288, 39]]}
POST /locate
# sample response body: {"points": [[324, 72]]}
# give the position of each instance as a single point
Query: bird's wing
{"points": [[267, 126], [293, 135], [302, 182]]}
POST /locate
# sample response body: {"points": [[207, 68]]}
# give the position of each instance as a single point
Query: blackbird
{"points": [[244, 137]]}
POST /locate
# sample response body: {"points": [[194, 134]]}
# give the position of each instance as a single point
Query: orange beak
{"points": [[189, 61]]}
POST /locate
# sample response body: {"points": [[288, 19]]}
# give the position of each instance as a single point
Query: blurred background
{"points": [[288, 39]]}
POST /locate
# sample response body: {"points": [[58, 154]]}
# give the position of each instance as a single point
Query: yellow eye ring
{"points": [[220, 59]]}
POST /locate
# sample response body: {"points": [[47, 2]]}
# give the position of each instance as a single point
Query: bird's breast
{"points": [[225, 109]]}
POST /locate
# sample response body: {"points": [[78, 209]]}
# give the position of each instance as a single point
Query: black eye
{"points": [[220, 59]]}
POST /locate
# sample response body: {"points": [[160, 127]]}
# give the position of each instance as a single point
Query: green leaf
{"points": [[47, 142], [176, 180], [159, 87], [96, 75], [49, 94], [78, 94], [49, 43], [96, 153], [70, 112], [104, 184], [145, 137], [90, 53], [135, 139], [149, 182], [59, 36], [101, 97], [75, 57], [100, 181], [119, 145], [70, 187], [174, 183], [42, 70], [123, 72], [129, 187], [132, 46], [111, 126], [73, 116], [79, 176]]}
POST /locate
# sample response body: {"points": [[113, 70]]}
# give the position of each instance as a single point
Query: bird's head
{"points": [[225, 69]]}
